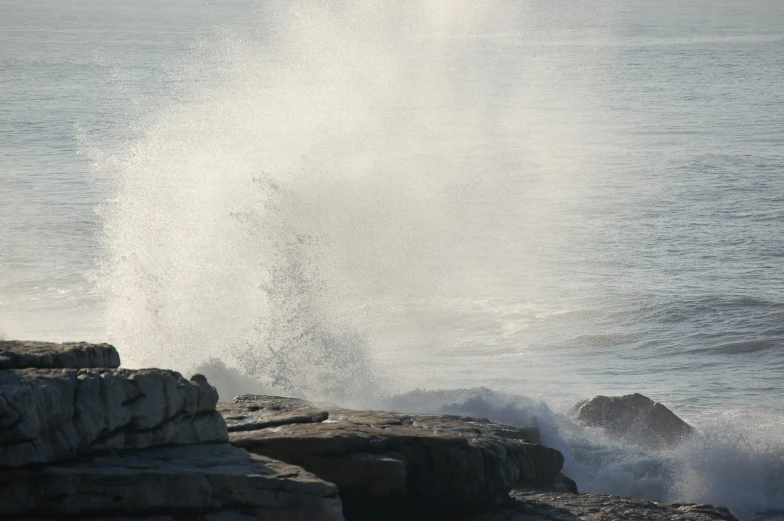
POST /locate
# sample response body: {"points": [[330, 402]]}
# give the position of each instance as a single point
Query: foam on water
{"points": [[736, 464]]}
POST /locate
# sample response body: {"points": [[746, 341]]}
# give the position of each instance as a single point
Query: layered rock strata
{"points": [[49, 415], [214, 481], [89, 442], [15, 354], [390, 464]]}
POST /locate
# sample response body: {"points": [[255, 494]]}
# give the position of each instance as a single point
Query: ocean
{"points": [[508, 206]]}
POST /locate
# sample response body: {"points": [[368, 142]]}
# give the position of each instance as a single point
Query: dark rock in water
{"points": [[51, 415], [214, 482], [16, 354], [555, 506], [390, 464], [634, 419]]}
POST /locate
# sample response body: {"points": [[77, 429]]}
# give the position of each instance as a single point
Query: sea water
{"points": [[509, 206]]}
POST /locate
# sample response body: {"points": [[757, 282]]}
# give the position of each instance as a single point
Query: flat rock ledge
{"points": [[214, 482], [387, 465], [17, 354], [529, 505]]}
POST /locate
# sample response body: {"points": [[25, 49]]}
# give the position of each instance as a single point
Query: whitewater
{"points": [[492, 209]]}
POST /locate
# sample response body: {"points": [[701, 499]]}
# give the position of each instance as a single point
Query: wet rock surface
{"points": [[16, 354], [531, 505], [634, 419], [49, 415], [390, 463], [210, 482]]}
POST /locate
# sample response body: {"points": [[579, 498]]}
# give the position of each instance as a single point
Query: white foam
{"points": [[323, 165], [735, 465]]}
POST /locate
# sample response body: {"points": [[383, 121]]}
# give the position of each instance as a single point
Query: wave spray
{"points": [[346, 201], [314, 172]]}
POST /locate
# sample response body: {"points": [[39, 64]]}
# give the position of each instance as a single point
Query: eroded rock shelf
{"points": [[388, 462], [82, 439]]}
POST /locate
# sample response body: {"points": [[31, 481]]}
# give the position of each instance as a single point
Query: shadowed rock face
{"points": [[16, 354], [50, 415], [389, 464], [210, 482], [554, 506], [634, 419]]}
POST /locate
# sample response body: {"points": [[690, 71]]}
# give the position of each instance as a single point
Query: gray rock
{"points": [[634, 419], [558, 506], [252, 412], [16, 354], [559, 483], [390, 463], [213, 482], [56, 414]]}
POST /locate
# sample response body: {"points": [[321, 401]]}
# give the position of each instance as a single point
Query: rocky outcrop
{"points": [[85, 442], [634, 419], [15, 354], [49, 415], [531, 505], [390, 464], [81, 439], [215, 482]]}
